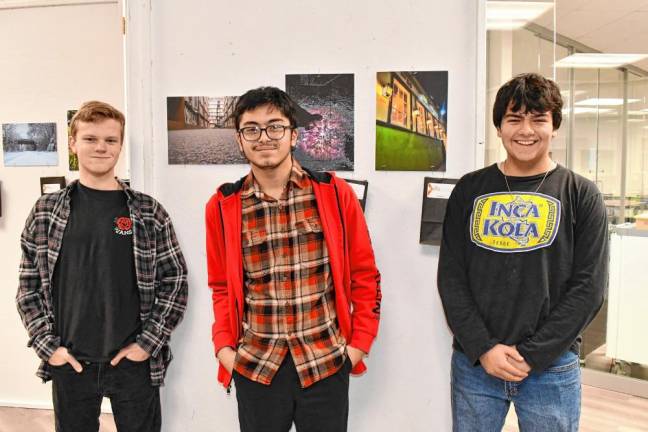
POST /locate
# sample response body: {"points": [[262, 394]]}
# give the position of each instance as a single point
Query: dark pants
{"points": [[77, 397], [324, 406]]}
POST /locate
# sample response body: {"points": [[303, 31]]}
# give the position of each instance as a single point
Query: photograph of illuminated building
{"points": [[325, 118], [411, 121]]}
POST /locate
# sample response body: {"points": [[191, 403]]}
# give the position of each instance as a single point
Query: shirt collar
{"points": [[298, 178]]}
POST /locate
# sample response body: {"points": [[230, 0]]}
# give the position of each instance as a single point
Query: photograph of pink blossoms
{"points": [[325, 120]]}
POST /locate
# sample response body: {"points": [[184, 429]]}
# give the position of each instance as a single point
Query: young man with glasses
{"points": [[296, 293], [522, 271], [103, 283]]}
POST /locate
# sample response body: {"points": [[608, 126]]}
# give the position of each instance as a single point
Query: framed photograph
{"points": [[360, 188], [51, 184], [201, 131], [29, 144], [411, 121], [324, 110], [73, 160]]}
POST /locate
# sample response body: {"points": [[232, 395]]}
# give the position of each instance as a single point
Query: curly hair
{"points": [[530, 91], [265, 96]]}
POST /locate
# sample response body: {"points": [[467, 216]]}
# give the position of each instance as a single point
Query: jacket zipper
{"points": [[229, 386], [220, 208]]}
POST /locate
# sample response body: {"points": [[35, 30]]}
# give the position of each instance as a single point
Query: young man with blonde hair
{"points": [[102, 285]]}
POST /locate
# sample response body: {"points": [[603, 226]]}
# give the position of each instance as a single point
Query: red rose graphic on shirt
{"points": [[123, 225]]}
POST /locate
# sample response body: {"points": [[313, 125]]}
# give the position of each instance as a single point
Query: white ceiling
{"points": [[611, 26]]}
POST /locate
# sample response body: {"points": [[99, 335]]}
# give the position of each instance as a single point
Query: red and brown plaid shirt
{"points": [[289, 295]]}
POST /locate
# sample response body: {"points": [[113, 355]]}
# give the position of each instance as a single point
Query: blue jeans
{"points": [[544, 402]]}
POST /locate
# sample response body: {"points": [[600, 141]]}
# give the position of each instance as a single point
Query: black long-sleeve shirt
{"points": [[523, 268]]}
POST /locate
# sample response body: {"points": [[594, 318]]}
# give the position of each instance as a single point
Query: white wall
{"points": [[51, 60], [224, 48]]}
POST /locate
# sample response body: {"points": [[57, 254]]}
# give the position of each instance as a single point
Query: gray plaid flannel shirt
{"points": [[159, 265]]}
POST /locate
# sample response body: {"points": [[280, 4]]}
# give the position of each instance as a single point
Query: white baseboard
{"points": [[24, 4], [23, 404], [105, 405]]}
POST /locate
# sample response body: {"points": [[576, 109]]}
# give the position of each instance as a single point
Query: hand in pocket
{"points": [[62, 356]]}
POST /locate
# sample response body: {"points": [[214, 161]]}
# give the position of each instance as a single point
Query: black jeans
{"points": [[322, 407], [77, 397]]}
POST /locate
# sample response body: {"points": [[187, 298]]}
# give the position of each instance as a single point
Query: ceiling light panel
{"points": [[598, 60], [509, 15]]}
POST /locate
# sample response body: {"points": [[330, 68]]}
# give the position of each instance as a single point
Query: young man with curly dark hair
{"points": [[522, 271]]}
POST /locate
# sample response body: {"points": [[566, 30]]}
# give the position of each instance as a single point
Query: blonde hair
{"points": [[94, 112]]}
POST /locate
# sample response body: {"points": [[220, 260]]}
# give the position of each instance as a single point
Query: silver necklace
{"points": [[507, 183]]}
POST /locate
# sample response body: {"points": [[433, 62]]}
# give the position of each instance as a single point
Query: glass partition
{"points": [[604, 137]]}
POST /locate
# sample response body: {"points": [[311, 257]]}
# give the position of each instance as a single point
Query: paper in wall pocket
{"points": [[436, 192]]}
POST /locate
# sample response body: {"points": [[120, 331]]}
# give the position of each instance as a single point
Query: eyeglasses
{"points": [[273, 132]]}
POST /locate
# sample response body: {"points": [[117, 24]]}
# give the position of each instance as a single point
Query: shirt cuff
{"points": [[45, 345]]}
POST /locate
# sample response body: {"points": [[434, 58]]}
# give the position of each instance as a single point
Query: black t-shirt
{"points": [[95, 294], [524, 268]]}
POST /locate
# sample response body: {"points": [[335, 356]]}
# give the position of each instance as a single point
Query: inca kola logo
{"points": [[514, 222]]}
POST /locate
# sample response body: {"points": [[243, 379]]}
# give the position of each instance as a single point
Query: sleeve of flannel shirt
{"points": [[217, 276], [29, 298], [366, 295], [171, 288]]}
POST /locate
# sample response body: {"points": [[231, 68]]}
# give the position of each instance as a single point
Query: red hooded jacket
{"points": [[355, 277]]}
